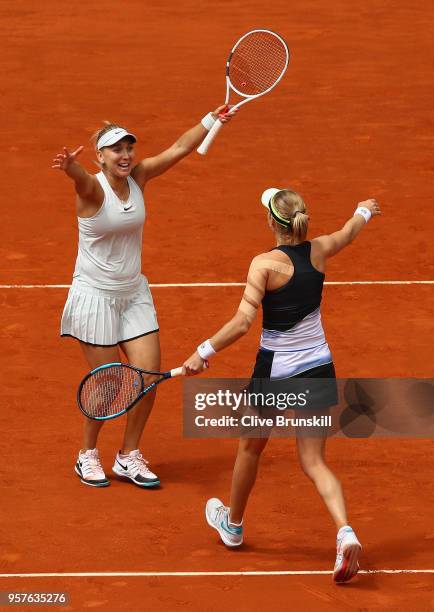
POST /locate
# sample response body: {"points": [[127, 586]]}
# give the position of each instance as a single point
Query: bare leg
{"points": [[96, 356], [244, 475], [144, 353], [311, 454]]}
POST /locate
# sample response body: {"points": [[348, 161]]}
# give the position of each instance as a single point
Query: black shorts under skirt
{"points": [[322, 389]]}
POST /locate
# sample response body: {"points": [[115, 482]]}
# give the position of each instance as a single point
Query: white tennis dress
{"points": [[109, 301]]}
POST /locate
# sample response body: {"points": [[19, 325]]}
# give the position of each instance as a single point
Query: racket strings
{"points": [[257, 63], [110, 391]]}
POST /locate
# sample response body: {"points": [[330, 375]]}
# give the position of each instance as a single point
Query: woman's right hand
{"points": [[224, 113], [63, 161], [194, 365], [372, 205]]}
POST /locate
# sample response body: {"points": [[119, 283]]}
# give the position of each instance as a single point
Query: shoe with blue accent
{"points": [[348, 549], [217, 516], [134, 467]]}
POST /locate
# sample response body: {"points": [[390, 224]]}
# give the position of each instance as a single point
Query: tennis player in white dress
{"points": [[109, 307]]}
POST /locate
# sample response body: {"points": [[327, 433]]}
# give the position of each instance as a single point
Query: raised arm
{"points": [[89, 192], [333, 243], [240, 323], [188, 142]]}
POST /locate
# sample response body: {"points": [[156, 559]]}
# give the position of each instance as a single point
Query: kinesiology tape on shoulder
{"points": [[257, 281]]}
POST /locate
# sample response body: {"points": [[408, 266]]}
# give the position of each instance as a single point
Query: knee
{"points": [[148, 379], [145, 367], [252, 447], [311, 465]]}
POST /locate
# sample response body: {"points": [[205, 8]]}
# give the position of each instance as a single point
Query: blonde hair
{"points": [[108, 125], [291, 207]]}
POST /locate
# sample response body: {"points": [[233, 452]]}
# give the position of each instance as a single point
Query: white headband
{"points": [[112, 137], [268, 194], [267, 201]]}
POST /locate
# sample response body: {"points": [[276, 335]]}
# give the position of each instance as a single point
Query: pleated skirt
{"points": [[105, 317]]}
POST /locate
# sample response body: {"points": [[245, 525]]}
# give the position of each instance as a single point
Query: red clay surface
{"points": [[352, 119]]}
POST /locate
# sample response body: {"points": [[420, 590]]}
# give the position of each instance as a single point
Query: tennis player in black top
{"points": [[288, 281]]}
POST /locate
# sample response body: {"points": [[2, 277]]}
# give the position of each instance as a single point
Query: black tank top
{"points": [[286, 306]]}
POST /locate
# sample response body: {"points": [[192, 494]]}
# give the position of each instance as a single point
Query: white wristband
{"points": [[206, 350], [208, 121], [365, 212]]}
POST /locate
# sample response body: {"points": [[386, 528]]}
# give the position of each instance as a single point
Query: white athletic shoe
{"points": [[348, 550], [135, 468], [89, 469], [217, 516]]}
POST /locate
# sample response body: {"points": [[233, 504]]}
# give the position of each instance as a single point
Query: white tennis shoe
{"points": [[217, 516], [89, 469], [135, 467], [348, 549]]}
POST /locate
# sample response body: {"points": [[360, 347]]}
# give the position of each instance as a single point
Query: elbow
{"points": [[244, 326]]}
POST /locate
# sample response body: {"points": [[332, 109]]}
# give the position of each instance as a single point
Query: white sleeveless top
{"points": [[110, 242]]}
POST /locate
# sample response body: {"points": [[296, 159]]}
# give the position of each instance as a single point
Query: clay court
{"points": [[351, 119]]}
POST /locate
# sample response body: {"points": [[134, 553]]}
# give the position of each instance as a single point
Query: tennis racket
{"points": [[114, 388], [255, 65]]}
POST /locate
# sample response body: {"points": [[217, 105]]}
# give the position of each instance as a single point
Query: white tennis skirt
{"points": [[106, 318]]}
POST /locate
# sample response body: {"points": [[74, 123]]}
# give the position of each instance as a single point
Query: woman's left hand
{"points": [[194, 365], [224, 113]]}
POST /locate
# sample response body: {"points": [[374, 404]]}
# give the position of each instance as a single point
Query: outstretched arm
{"points": [[331, 245], [240, 323], [188, 142], [85, 183]]}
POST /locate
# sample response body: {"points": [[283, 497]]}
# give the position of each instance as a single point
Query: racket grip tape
{"points": [[176, 372], [206, 143]]}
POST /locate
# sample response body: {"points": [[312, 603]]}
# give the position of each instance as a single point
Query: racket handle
{"points": [[209, 138], [176, 372]]}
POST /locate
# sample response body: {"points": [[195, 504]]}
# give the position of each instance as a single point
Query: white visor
{"points": [[112, 137], [268, 194]]}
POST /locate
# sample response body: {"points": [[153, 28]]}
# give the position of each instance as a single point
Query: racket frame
{"points": [[143, 391], [206, 143], [252, 97]]}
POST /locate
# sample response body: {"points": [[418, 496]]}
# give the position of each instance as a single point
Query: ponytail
{"points": [[298, 228], [292, 210]]}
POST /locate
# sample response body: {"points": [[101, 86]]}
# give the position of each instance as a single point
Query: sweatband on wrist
{"points": [[365, 212], [206, 350], [208, 121]]}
